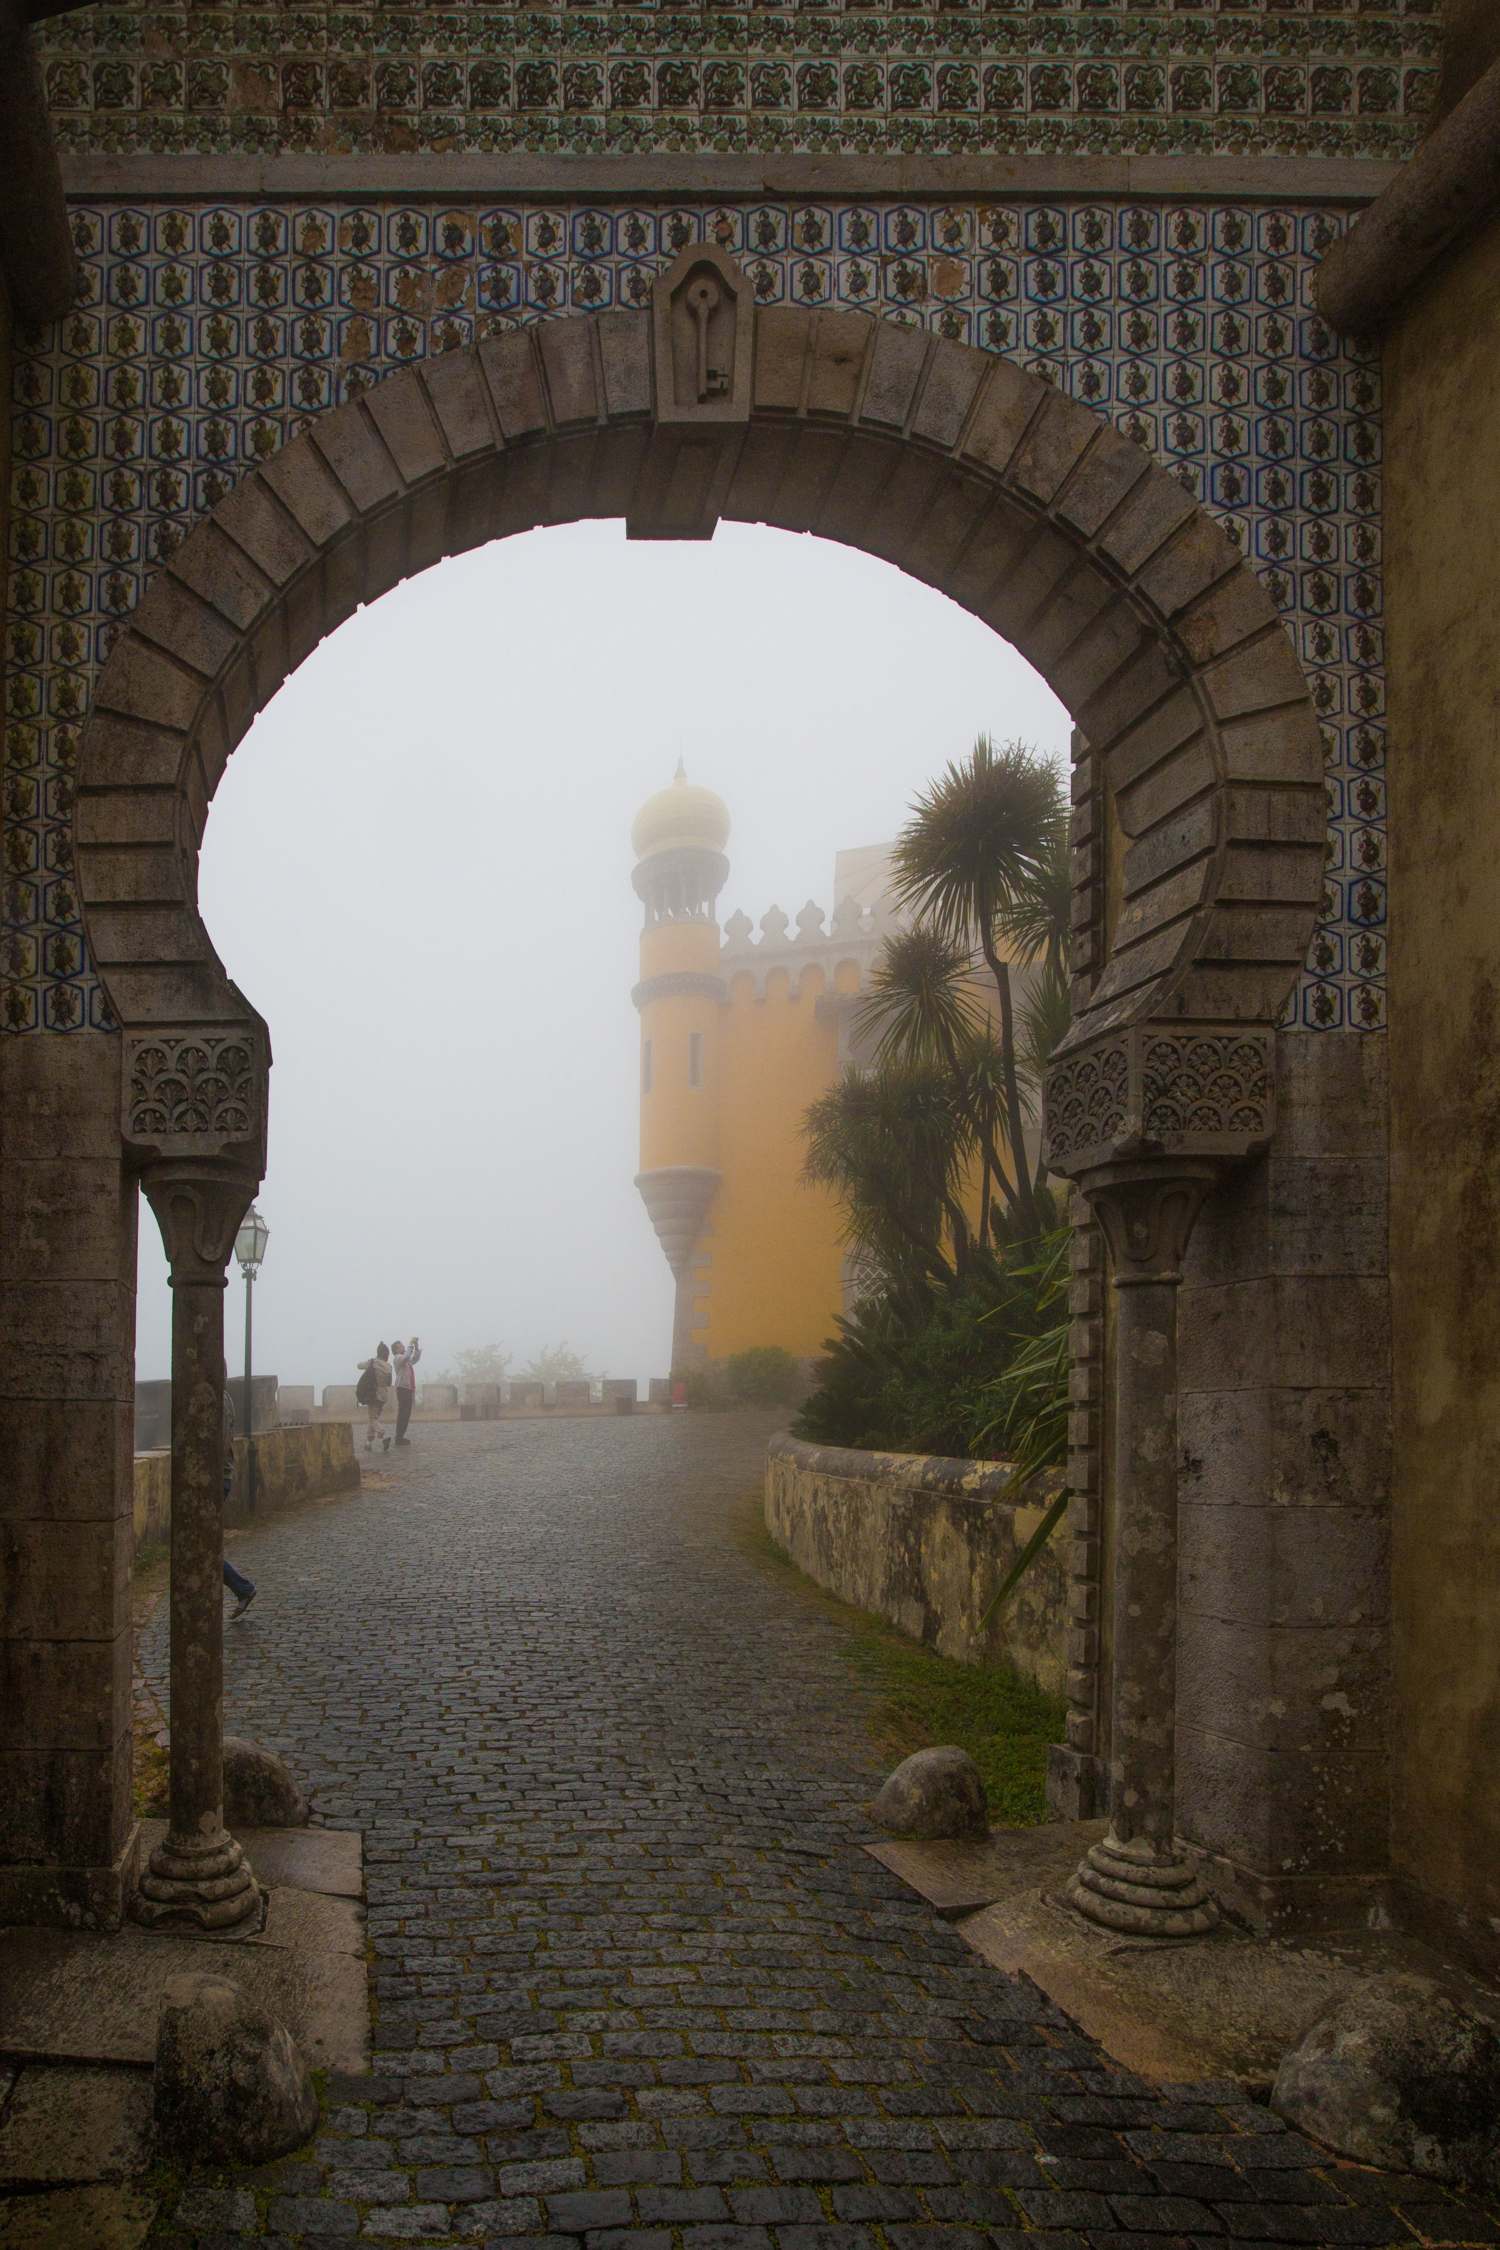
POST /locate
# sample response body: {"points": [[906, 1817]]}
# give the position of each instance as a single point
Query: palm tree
{"points": [[922, 1004], [893, 1143], [981, 864]]}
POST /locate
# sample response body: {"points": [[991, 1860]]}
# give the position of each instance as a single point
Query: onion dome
{"points": [[679, 838], [684, 815]]}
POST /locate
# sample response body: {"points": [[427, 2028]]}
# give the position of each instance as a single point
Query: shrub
{"points": [[766, 1375]]}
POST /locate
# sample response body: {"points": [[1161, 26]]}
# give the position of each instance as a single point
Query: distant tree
{"points": [[557, 1363], [486, 1363], [766, 1375]]}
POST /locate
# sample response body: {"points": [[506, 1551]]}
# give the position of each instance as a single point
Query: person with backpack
{"points": [[371, 1392], [406, 1357]]}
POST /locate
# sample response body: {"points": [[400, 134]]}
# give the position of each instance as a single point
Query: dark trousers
{"points": [[238, 1585], [403, 1412]]}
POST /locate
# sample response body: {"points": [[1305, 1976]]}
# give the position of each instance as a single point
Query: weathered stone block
{"points": [[896, 361], [1256, 678], [302, 482], [64, 1340], [1055, 443], [567, 349], [453, 385], [510, 369], [1283, 1814], [1333, 1093], [1279, 1566], [781, 339], [1197, 557], [401, 414], [840, 346], [66, 1460], [67, 1807], [348, 443], [1329, 1214], [63, 1581], [953, 379], [64, 1695], [219, 573], [177, 621], [1005, 407], [1152, 512], [145, 684], [1284, 1687], [1112, 467], [625, 352], [255, 523]]}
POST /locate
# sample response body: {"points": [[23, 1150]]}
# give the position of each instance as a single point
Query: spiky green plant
{"points": [[974, 851]]}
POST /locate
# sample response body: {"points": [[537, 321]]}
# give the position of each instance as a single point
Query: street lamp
{"points": [[250, 1248]]}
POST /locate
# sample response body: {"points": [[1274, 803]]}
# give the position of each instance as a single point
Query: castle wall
{"points": [[1443, 558], [774, 1262]]}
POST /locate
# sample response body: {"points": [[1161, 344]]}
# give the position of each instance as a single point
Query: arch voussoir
{"points": [[963, 469]]}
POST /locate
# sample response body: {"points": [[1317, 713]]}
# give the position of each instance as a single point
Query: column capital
{"points": [[199, 1203], [1147, 1211]]}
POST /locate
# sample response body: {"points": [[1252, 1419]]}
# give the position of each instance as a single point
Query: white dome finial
{"points": [[681, 773]]}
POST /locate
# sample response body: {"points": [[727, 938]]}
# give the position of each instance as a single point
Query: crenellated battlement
{"points": [[855, 937]]}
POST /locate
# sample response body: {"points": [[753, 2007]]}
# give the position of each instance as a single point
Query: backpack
{"points": [[364, 1389]]}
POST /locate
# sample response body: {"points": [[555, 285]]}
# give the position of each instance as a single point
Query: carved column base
{"points": [[210, 1884], [1127, 1887]]}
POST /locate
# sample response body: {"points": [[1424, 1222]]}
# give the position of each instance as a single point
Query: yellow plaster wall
{"points": [[679, 1123], [775, 1254], [1442, 529]]}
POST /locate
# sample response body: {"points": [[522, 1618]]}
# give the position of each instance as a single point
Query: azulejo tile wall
{"points": [[1330, 77], [208, 334]]}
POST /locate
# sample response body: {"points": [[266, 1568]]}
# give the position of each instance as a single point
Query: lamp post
{"points": [[250, 1248]]}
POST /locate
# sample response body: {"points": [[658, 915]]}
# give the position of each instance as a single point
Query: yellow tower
{"points": [[679, 838]]}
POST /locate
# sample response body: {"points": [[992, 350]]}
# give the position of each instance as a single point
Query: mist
{"points": [[418, 868]]}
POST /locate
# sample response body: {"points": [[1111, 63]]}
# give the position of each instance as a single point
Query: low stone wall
{"points": [[925, 1543], [311, 1462]]}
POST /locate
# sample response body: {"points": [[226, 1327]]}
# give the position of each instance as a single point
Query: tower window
{"points": [[695, 1058], [645, 1066]]}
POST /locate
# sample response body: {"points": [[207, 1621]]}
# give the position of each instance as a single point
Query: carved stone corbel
{"points": [[703, 346]]}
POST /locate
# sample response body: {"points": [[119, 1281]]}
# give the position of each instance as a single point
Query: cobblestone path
{"points": [[636, 1985]]}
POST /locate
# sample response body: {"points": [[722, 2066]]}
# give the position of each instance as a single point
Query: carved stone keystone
{"points": [[703, 334]]}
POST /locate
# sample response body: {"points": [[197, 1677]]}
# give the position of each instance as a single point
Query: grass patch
{"points": [[148, 1558], [1003, 1722]]}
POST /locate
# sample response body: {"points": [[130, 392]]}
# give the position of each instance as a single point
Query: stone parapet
{"points": [[311, 1462], [925, 1543]]}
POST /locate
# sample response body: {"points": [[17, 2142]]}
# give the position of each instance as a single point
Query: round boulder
{"points": [[259, 1792], [1401, 2076], [231, 2084], [934, 1793]]}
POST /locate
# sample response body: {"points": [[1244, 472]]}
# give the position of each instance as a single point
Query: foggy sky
{"points": [[418, 868]]}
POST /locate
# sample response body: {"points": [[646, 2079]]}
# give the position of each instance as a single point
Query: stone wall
{"points": [[67, 1351], [311, 1462], [1443, 542], [923, 1543]]}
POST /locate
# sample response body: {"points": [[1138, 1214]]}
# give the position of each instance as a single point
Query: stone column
{"points": [[199, 1874], [1136, 1880]]}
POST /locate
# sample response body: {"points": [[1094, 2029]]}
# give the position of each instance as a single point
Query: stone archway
{"points": [[1026, 508]]}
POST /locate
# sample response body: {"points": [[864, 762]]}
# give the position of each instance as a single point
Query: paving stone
{"points": [[635, 1978]]}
